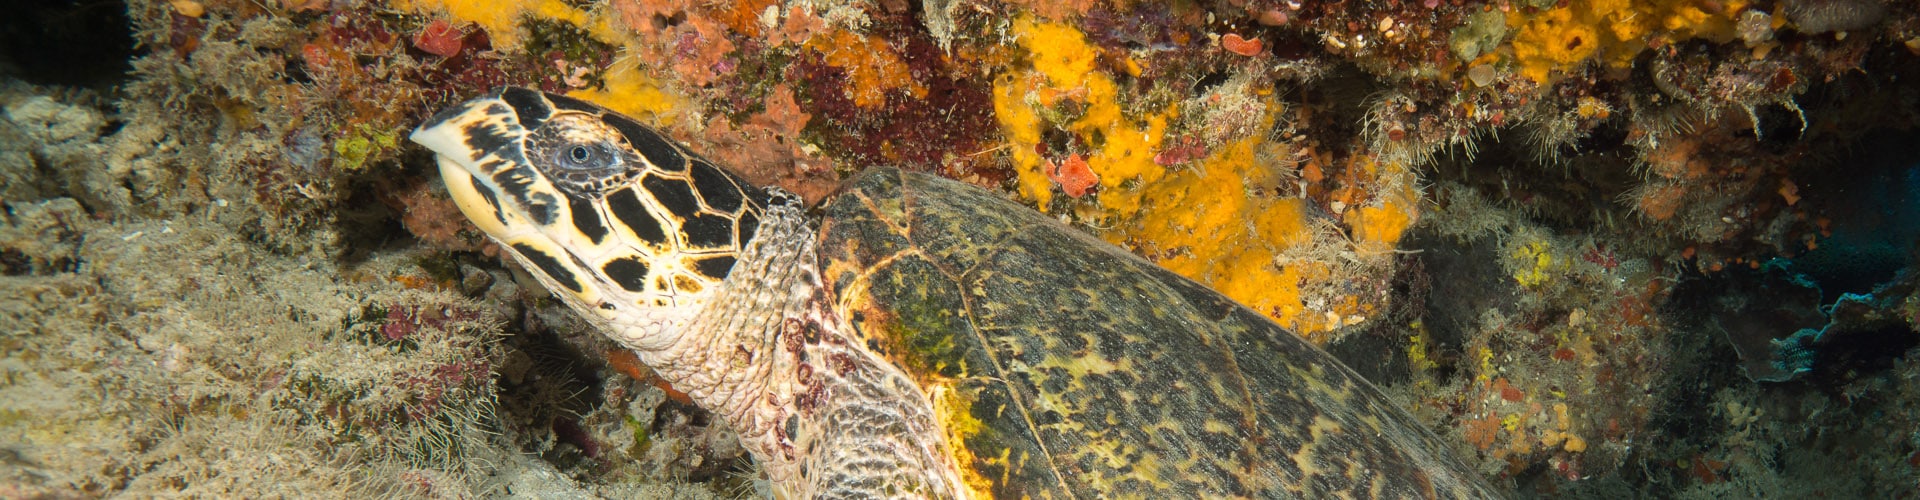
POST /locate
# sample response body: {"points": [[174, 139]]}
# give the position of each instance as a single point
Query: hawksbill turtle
{"points": [[917, 337]]}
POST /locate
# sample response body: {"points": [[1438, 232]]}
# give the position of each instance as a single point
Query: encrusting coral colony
{"points": [[1606, 248]]}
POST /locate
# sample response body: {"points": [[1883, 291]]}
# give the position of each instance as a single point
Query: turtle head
{"points": [[623, 224]]}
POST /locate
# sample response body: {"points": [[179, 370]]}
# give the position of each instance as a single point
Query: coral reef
{"points": [[1609, 247], [131, 373], [1559, 356]]}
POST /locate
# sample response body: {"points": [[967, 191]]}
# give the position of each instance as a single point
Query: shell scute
{"points": [[915, 311], [960, 229]]}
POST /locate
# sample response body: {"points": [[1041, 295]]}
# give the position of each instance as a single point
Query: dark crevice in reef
{"points": [[367, 226], [1813, 330], [1708, 364], [560, 377], [1575, 191], [1340, 102], [79, 43], [1872, 199], [1812, 335]]}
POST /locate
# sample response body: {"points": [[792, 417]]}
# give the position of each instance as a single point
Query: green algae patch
{"points": [[363, 143]]}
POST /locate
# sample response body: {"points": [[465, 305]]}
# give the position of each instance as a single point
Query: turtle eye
{"points": [[585, 156], [580, 154]]}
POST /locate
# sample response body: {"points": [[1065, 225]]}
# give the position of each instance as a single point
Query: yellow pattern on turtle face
{"points": [[612, 217]]}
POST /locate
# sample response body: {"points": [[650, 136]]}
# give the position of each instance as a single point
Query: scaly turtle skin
{"points": [[930, 339]]}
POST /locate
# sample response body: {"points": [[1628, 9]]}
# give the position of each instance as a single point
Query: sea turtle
{"points": [[917, 337]]}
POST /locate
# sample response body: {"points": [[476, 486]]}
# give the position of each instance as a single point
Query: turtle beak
{"points": [[469, 131], [460, 137]]}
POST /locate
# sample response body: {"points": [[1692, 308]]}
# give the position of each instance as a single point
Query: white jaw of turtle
{"points": [[710, 281], [643, 329]]}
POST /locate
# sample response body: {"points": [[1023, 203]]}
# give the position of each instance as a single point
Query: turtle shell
{"points": [[1062, 366]]}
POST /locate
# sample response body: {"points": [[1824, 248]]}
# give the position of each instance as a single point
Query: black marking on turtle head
{"points": [[628, 272], [514, 180], [626, 206], [528, 106], [486, 137], [655, 148], [586, 219], [714, 267], [577, 263], [718, 189], [493, 200], [676, 195], [497, 110], [540, 209], [444, 115], [549, 265], [517, 182], [749, 222], [708, 231], [569, 103], [503, 160], [758, 196]]}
